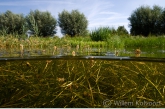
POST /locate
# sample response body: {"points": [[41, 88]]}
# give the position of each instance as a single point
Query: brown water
{"points": [[81, 81], [89, 78]]}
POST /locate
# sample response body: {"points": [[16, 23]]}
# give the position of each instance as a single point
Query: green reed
{"points": [[138, 41], [112, 42]]}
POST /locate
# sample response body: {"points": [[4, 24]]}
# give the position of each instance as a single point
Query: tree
{"points": [[162, 22], [121, 30], [145, 20], [74, 23], [11, 23], [41, 23], [156, 20]]}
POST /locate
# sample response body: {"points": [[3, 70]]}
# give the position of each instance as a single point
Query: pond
{"points": [[90, 78], [65, 51]]}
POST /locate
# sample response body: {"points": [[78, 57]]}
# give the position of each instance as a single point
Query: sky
{"points": [[99, 13]]}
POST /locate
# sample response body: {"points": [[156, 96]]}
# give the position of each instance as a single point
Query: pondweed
{"points": [[81, 83]]}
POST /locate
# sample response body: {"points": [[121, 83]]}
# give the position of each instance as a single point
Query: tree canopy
{"points": [[146, 20], [11, 23], [73, 24], [122, 31], [41, 23]]}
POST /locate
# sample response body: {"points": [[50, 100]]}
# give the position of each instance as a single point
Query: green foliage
{"points": [[116, 42], [33, 25], [102, 33], [162, 22], [73, 24], [41, 23], [146, 20], [156, 20], [122, 31], [11, 23], [145, 42]]}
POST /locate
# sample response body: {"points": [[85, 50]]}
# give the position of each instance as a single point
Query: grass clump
{"points": [[116, 42], [102, 34]]}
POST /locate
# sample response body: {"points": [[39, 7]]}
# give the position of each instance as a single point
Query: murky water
{"points": [[83, 78], [81, 81]]}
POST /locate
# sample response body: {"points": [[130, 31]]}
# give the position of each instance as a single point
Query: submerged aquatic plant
{"points": [[80, 83]]}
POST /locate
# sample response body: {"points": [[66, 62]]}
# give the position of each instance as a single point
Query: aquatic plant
{"points": [[115, 41], [80, 83]]}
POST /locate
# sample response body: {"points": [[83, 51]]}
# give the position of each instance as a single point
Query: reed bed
{"points": [[80, 83], [112, 42], [145, 42]]}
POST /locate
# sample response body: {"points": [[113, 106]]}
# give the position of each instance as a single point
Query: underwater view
{"points": [[69, 77]]}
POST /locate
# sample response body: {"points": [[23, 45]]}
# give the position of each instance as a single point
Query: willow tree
{"points": [[73, 23], [41, 23], [122, 31], [11, 23], [162, 23], [145, 20]]}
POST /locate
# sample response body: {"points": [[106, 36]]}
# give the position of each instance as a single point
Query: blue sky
{"points": [[100, 13]]}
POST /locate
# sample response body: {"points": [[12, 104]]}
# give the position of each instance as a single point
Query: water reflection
{"points": [[77, 51]]}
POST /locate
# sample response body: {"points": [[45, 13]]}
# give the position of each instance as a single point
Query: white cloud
{"points": [[108, 12], [92, 9]]}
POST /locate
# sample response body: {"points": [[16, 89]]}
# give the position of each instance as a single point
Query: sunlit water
{"points": [[109, 54]]}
